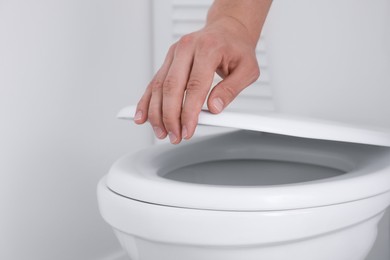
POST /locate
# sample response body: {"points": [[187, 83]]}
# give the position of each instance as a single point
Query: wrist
{"points": [[233, 28], [248, 15]]}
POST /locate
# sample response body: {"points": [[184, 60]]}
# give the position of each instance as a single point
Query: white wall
{"points": [[66, 68]]}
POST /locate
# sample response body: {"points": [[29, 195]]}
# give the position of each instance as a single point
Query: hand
{"points": [[226, 45], [175, 96]]}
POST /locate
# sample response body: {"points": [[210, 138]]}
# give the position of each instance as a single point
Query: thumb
{"points": [[229, 88]]}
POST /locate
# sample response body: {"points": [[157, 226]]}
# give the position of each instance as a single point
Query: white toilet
{"points": [[280, 188]]}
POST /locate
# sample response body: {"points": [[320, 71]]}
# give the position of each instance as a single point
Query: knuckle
{"points": [[194, 85], [230, 92], [169, 86], [155, 85], [186, 40]]}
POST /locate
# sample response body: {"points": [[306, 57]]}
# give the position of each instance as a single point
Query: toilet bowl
{"points": [[278, 188]]}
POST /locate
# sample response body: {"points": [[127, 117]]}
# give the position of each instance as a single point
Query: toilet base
{"points": [[352, 243]]}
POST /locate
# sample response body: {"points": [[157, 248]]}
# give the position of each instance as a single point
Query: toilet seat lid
{"points": [[284, 124]]}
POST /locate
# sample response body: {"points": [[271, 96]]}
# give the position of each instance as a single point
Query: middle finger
{"points": [[174, 86]]}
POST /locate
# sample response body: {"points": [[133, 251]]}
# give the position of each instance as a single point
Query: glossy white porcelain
{"points": [[366, 166], [150, 232], [171, 218]]}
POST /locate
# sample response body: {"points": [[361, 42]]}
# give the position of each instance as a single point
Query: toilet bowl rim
{"points": [[193, 226], [134, 176]]}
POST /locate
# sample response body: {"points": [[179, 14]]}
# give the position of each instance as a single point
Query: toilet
{"points": [[309, 181], [278, 187]]}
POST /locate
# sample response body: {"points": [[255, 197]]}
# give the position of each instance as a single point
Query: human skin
{"points": [[226, 45]]}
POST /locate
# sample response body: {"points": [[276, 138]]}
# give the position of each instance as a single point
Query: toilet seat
{"points": [[139, 176], [291, 125]]}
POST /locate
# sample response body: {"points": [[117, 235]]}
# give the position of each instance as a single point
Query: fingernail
{"points": [[218, 104], [172, 137], [158, 131], [184, 132], [138, 115]]}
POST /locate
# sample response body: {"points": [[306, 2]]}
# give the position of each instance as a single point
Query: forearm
{"points": [[250, 14]]}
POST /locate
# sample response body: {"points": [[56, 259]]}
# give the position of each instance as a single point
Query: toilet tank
{"points": [[331, 59]]}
